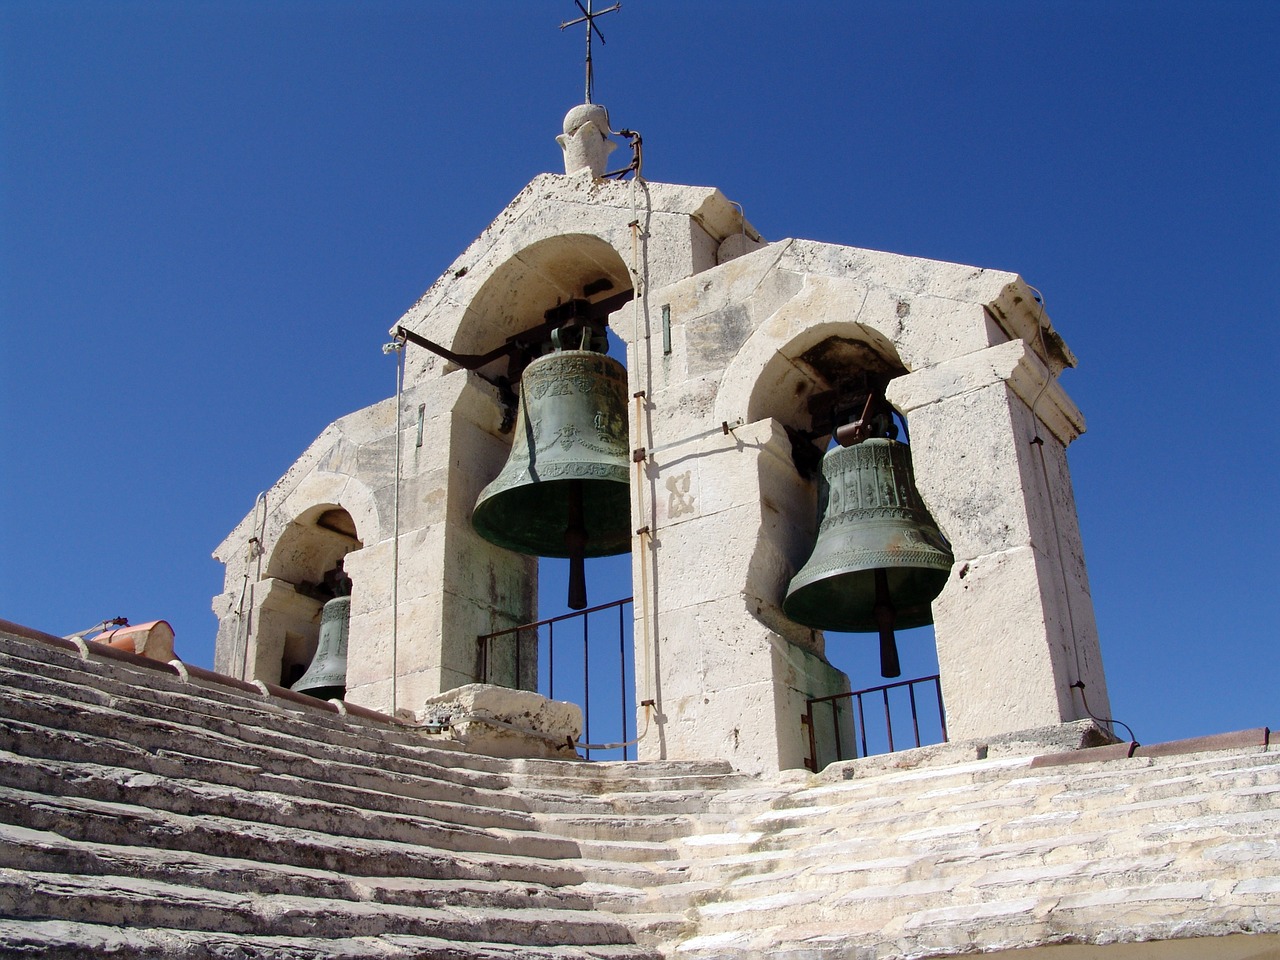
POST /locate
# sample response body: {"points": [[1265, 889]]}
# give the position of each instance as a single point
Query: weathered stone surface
{"points": [[729, 341], [504, 722], [155, 818]]}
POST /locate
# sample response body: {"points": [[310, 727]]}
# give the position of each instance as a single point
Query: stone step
{"points": [[623, 771], [41, 850], [198, 833], [656, 828], [649, 918], [640, 799], [34, 895], [160, 688], [326, 737], [263, 807], [675, 786], [389, 793], [127, 772], [63, 940], [670, 896]]}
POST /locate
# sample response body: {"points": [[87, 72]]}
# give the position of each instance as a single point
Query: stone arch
{"points": [[321, 522], [800, 347], [535, 279], [802, 351], [511, 299]]}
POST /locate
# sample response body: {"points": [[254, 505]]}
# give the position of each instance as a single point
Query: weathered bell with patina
{"points": [[326, 677], [879, 560], [565, 489]]}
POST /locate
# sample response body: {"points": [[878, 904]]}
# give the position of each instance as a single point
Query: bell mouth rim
{"points": [[599, 543], [808, 603]]}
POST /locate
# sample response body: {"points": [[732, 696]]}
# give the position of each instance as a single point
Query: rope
{"points": [[396, 347], [253, 551], [643, 516]]}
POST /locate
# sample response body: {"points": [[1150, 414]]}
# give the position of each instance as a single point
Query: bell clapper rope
{"points": [[396, 347]]}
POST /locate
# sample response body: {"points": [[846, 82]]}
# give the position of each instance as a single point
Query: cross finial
{"points": [[589, 18]]}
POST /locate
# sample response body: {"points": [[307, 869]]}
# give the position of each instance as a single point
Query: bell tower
{"points": [[709, 442]]}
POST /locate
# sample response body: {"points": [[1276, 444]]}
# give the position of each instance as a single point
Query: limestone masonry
{"points": [[727, 338], [153, 809], [148, 811]]}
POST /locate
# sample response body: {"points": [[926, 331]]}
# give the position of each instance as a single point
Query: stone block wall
{"points": [[727, 338]]}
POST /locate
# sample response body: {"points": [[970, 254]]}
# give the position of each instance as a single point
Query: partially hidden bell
{"points": [[326, 677], [565, 490], [879, 560]]}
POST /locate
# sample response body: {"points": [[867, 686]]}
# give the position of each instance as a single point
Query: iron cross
{"points": [[589, 18]]}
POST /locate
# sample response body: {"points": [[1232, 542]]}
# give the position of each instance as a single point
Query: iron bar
{"points": [[888, 718], [806, 720], [622, 676], [858, 719], [915, 720], [862, 722], [835, 722], [487, 662], [942, 714]]}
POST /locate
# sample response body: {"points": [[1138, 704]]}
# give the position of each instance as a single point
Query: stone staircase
{"points": [[148, 814], [1176, 842], [142, 815]]}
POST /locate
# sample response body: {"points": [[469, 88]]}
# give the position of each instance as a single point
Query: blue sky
{"points": [[212, 211]]}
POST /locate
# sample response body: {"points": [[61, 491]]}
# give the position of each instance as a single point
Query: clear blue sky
{"points": [[212, 211]]}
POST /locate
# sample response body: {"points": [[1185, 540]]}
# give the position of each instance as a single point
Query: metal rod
{"points": [[915, 721], [566, 616], [516, 637], [622, 676], [875, 689], [586, 681], [942, 714], [854, 720], [888, 720], [551, 660], [835, 722], [575, 540], [862, 722], [807, 720]]}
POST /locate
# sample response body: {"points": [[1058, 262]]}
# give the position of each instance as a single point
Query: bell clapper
{"points": [[885, 616], [575, 541]]}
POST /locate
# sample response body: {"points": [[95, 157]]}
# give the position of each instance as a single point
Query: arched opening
{"points": [[814, 385], [571, 284], [306, 568]]}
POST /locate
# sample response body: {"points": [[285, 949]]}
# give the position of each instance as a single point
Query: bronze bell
{"points": [[326, 677], [879, 560], [565, 489]]}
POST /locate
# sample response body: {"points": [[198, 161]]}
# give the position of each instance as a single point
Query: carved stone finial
{"points": [[585, 140]]}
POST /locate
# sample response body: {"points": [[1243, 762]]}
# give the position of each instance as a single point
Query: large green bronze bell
{"points": [[326, 677], [565, 489], [879, 560]]}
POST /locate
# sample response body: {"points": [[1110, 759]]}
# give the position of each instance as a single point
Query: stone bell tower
{"points": [[728, 339]]}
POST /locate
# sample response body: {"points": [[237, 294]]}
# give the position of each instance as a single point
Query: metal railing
{"points": [[852, 737], [542, 675]]}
